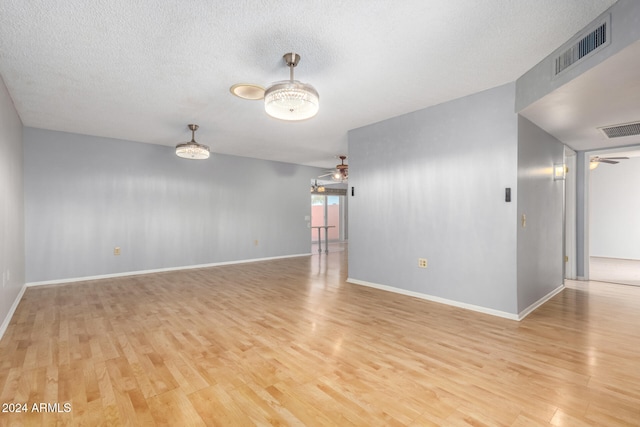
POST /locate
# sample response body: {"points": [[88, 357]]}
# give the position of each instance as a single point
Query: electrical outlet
{"points": [[116, 250], [422, 262], [255, 242]]}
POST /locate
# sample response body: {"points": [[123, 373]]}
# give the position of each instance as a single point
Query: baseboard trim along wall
{"points": [[524, 313], [12, 310], [7, 319], [459, 304], [157, 270], [432, 298]]}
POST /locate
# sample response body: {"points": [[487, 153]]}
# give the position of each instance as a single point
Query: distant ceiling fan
{"points": [[315, 188], [340, 173], [595, 161]]}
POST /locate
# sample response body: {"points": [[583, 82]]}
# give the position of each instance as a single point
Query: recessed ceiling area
{"points": [[606, 95], [142, 70]]}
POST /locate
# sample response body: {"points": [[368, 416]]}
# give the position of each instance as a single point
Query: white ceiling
{"points": [[142, 70]]}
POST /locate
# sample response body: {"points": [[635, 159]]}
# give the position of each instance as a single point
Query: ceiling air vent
{"points": [[618, 131], [583, 45]]}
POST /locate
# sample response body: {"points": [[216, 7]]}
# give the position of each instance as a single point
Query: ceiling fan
{"points": [[289, 100], [315, 188], [340, 173], [595, 161]]}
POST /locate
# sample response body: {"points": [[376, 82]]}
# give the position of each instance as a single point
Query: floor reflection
{"points": [[615, 270]]}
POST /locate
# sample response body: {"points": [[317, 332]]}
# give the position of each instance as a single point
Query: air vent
{"points": [[618, 131], [594, 40]]}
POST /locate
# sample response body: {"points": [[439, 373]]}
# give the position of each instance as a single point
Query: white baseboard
{"points": [[524, 313], [157, 270], [427, 297], [12, 310]]}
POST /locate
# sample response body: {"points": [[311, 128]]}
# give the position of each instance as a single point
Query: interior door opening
{"points": [[327, 221], [613, 223]]}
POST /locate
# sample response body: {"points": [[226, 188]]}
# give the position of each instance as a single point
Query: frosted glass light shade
{"points": [[339, 176], [192, 150], [291, 100], [559, 172]]}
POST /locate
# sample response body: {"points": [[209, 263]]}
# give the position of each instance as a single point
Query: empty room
{"points": [[312, 213]]}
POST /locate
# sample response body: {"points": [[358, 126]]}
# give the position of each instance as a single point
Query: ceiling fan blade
{"points": [[611, 162], [614, 158], [249, 91], [326, 174]]}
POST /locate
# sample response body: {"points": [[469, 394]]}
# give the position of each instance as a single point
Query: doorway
{"points": [[328, 210], [613, 228]]}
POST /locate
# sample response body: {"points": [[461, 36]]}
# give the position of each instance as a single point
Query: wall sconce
{"points": [[559, 171]]}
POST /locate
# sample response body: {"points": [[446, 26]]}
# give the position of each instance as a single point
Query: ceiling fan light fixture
{"points": [[290, 99], [191, 149], [315, 188], [341, 173]]}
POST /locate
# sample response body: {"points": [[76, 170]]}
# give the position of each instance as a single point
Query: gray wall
{"points": [[614, 202], [538, 81], [85, 195], [11, 205], [540, 198], [430, 184]]}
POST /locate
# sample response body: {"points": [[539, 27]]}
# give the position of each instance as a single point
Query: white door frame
{"points": [[570, 250], [586, 193]]}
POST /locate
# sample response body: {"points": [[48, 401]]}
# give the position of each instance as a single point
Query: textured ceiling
{"points": [[142, 70]]}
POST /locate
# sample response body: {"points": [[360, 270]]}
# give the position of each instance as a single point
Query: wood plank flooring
{"points": [[615, 270], [288, 342]]}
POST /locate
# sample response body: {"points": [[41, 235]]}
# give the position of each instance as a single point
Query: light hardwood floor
{"points": [[289, 342], [615, 270]]}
